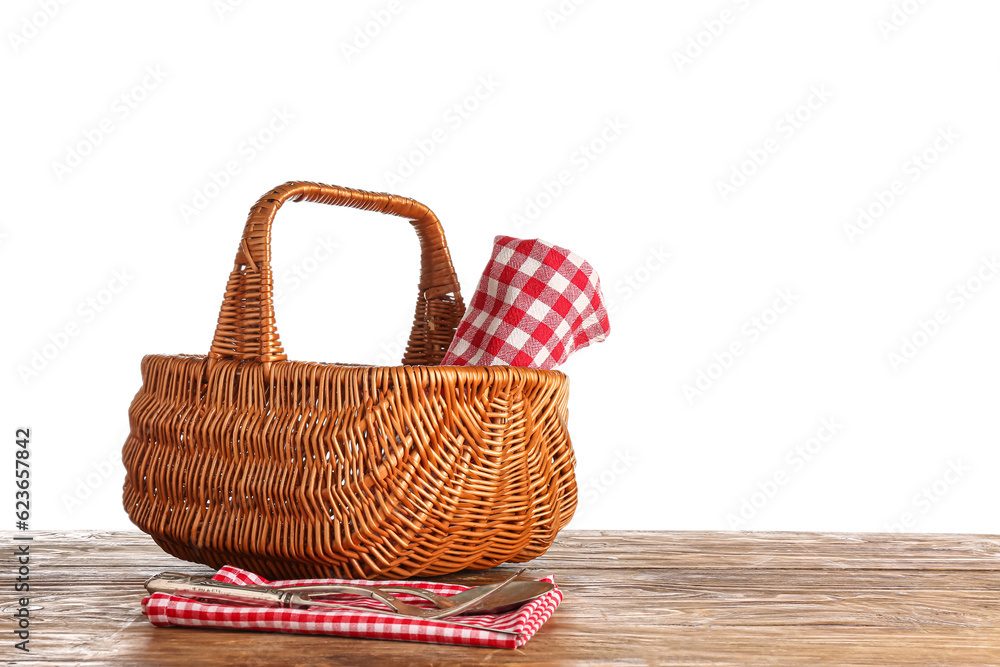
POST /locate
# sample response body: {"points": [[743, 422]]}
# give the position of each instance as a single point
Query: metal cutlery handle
{"points": [[292, 596], [183, 585]]}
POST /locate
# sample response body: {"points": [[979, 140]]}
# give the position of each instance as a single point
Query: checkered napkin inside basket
{"points": [[164, 610], [535, 305]]}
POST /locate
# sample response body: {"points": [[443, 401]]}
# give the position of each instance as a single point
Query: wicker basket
{"points": [[299, 469]]}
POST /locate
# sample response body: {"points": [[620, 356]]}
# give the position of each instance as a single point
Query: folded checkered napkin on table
{"points": [[368, 620], [536, 304]]}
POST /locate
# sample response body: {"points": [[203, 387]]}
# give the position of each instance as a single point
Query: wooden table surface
{"points": [[631, 598]]}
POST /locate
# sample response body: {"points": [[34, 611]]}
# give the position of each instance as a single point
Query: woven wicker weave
{"points": [[299, 469]]}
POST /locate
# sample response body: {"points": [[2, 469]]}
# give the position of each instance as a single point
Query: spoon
{"points": [[513, 595]]}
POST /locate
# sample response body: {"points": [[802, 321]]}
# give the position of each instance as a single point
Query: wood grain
{"points": [[631, 598]]}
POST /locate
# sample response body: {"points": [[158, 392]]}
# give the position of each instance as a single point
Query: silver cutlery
{"points": [[480, 599]]}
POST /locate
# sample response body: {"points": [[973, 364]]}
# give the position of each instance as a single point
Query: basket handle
{"points": [[246, 328]]}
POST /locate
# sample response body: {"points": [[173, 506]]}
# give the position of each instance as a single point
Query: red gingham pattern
{"points": [[535, 304], [164, 610]]}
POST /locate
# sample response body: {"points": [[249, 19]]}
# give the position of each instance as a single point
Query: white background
{"points": [[916, 441]]}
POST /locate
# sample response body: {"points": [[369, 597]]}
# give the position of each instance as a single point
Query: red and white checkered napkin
{"points": [[163, 609], [535, 305]]}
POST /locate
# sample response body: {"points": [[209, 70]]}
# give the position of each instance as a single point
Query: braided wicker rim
{"points": [[303, 469]]}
